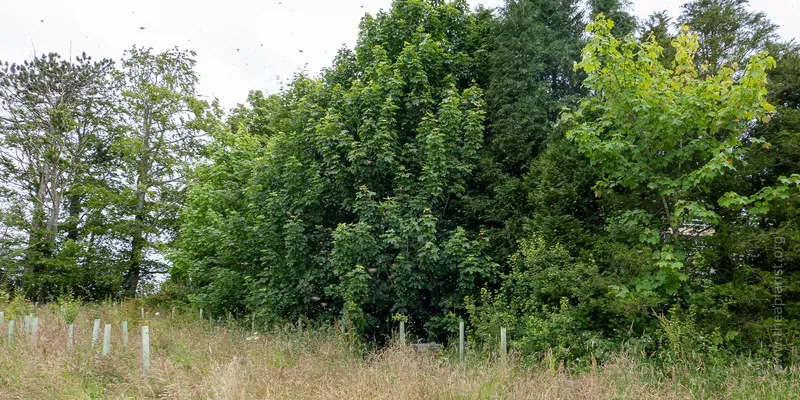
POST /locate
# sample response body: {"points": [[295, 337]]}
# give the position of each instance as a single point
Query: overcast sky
{"points": [[241, 44]]}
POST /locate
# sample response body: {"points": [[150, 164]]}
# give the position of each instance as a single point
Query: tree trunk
{"points": [[138, 240], [55, 199], [35, 248], [74, 210], [135, 265], [37, 217]]}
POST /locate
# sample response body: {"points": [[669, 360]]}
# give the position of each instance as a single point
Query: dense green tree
{"points": [[536, 44], [352, 208], [564, 207], [531, 78], [256, 116]]}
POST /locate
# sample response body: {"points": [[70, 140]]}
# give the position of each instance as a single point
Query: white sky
{"points": [[241, 44]]}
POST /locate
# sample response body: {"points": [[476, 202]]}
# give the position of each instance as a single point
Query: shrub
{"points": [[549, 300]]}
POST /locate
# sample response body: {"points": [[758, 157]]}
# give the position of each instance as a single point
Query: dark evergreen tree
{"points": [[615, 10], [658, 26], [531, 78]]}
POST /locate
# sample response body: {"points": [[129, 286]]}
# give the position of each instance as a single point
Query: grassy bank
{"points": [[196, 359]]}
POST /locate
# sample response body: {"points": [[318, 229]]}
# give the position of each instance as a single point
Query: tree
{"points": [[658, 25], [164, 124], [752, 249], [54, 124], [728, 33], [660, 137], [255, 117], [615, 10], [531, 72], [533, 47], [350, 206]]}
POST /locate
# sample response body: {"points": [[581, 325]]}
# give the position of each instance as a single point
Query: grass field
{"points": [[194, 359]]}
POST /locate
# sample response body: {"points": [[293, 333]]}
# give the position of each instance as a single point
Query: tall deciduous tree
{"points": [[53, 124], [164, 125]]}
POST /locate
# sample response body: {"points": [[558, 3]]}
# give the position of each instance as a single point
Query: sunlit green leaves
{"points": [[664, 133]]}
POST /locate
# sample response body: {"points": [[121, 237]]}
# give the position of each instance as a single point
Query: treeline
{"points": [[93, 160], [581, 184]]}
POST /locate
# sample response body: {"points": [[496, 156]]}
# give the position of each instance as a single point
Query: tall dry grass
{"points": [[193, 359]]}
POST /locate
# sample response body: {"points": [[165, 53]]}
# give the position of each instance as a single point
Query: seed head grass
{"points": [[196, 359]]}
